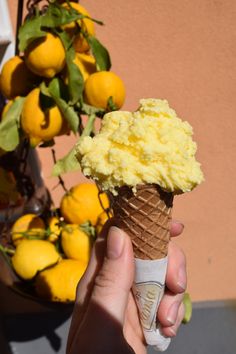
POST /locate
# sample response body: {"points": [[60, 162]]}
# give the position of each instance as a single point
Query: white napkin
{"points": [[148, 289]]}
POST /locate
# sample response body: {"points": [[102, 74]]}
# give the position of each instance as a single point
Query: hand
{"points": [[105, 317]]}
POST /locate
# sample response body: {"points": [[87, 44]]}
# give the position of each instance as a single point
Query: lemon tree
{"points": [[60, 54]]}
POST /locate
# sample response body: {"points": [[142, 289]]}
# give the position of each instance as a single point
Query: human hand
{"points": [[105, 317]]}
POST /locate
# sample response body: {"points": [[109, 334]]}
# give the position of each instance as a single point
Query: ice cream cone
{"points": [[146, 217]]}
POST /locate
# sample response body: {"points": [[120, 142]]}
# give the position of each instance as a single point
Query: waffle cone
{"points": [[146, 217]]}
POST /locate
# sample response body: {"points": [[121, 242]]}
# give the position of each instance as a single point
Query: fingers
{"points": [[114, 280], [176, 277], [171, 331], [176, 228], [171, 310], [85, 285]]}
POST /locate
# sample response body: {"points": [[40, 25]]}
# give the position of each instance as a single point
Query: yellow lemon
{"points": [[103, 85], [54, 228], [32, 256], [75, 243], [15, 78], [59, 283], [46, 56], [40, 125], [82, 204], [86, 63], [28, 225], [80, 43], [102, 219]]}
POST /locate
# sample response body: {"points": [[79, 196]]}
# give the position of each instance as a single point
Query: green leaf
{"points": [[68, 163], [68, 113], [54, 87], [29, 31], [9, 126], [57, 16], [100, 53], [76, 81], [75, 78]]}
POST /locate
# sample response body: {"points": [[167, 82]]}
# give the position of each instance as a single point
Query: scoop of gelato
{"points": [[150, 145]]}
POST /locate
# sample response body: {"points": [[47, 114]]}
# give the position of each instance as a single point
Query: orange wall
{"points": [[183, 51]]}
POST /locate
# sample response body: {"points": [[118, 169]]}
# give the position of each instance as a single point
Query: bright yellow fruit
{"points": [[55, 228], [32, 256], [102, 85], [29, 225], [46, 56], [75, 243], [40, 125], [59, 282], [86, 63], [81, 204], [102, 219], [15, 78], [80, 43]]}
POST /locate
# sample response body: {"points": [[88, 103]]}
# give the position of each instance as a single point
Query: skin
{"points": [[105, 317]]}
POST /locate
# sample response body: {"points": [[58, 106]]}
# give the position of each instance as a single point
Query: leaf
{"points": [[29, 31], [75, 78], [68, 113], [68, 163], [57, 16], [9, 126], [100, 53], [76, 81]]}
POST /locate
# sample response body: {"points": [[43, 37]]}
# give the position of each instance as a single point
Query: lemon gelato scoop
{"points": [[150, 145]]}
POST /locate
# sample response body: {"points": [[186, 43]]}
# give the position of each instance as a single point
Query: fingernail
{"points": [[115, 242], [172, 313], [182, 282]]}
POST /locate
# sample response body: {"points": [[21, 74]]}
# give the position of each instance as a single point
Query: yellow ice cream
{"points": [[151, 145]]}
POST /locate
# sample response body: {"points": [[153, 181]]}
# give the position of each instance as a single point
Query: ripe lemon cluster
{"points": [[54, 252], [44, 59]]}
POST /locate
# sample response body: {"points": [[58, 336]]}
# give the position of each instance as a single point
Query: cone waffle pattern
{"points": [[146, 217]]}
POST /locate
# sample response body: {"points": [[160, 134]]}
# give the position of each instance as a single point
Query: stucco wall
{"points": [[183, 51]]}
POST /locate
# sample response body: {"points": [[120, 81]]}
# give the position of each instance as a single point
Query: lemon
{"points": [[86, 63], [40, 125], [75, 243], [102, 219], [80, 43], [46, 56], [32, 256], [15, 78], [54, 228], [82, 204], [59, 283], [27, 225], [103, 85]]}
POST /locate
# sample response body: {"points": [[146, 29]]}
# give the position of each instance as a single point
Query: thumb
{"points": [[115, 278]]}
